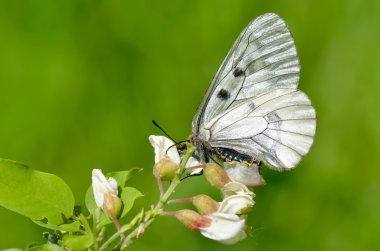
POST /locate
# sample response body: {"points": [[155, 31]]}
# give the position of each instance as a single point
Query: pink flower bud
{"points": [[216, 175], [166, 168], [112, 205], [192, 220], [205, 204]]}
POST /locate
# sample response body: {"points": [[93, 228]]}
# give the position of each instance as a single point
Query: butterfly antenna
{"points": [[162, 130]]}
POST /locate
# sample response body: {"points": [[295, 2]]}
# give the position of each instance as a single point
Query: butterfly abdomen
{"points": [[229, 155]]}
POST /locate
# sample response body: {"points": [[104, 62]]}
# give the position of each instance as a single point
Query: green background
{"points": [[80, 82]]}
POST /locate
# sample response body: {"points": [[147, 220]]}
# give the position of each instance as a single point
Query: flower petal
{"points": [[101, 185], [194, 162], [234, 188], [225, 228], [161, 145], [236, 204], [247, 175]]}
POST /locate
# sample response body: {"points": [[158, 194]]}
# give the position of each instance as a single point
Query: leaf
{"points": [[121, 177], [34, 194], [45, 247], [77, 242], [128, 197], [90, 200], [12, 249], [71, 227]]}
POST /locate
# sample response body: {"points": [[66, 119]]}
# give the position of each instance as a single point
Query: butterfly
{"points": [[252, 111]]}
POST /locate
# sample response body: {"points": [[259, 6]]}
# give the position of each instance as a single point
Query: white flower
{"points": [[101, 186], [225, 228], [165, 148], [247, 175], [236, 188], [236, 204], [193, 162]]}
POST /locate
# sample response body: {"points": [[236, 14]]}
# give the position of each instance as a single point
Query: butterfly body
{"points": [[253, 112], [229, 155]]}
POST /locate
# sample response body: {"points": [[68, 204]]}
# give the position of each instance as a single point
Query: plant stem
{"points": [[95, 219], [142, 221], [123, 229]]}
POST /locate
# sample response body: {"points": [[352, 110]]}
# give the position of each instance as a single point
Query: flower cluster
{"points": [[223, 221]]}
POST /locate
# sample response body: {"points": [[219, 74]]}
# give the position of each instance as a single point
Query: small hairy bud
{"points": [[192, 220], [216, 175], [205, 204], [166, 168]]}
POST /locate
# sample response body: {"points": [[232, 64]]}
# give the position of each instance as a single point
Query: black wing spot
{"points": [[223, 94], [238, 72]]}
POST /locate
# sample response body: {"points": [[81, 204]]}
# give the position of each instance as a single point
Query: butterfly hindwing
{"points": [[276, 127]]}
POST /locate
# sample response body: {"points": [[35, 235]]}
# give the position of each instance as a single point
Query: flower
{"points": [[101, 186], [247, 175], [163, 148], [106, 196], [167, 158], [225, 228]]}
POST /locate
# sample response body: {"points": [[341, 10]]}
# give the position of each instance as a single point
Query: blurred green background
{"points": [[80, 82]]}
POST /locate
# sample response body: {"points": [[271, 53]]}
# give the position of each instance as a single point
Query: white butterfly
{"points": [[252, 111]]}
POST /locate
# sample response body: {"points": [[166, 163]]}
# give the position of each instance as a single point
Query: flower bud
{"points": [[216, 175], [192, 220], [205, 204], [112, 205], [166, 168]]}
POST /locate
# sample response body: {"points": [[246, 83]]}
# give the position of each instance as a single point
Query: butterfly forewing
{"points": [[263, 58], [252, 105]]}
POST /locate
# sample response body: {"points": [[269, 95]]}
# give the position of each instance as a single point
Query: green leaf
{"points": [[71, 227], [121, 177], [128, 197], [45, 247], [11, 249], [77, 242], [34, 194], [90, 200]]}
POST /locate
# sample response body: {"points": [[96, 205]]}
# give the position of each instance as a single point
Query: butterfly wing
{"points": [[253, 105], [277, 127], [263, 58]]}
